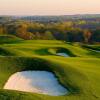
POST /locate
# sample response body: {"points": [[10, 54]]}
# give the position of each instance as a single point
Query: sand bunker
{"points": [[95, 50], [41, 82], [63, 54]]}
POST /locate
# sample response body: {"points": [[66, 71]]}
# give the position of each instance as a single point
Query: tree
{"points": [[87, 35], [49, 35], [1, 30]]}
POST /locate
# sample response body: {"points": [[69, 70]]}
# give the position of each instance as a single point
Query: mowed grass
{"points": [[79, 73]]}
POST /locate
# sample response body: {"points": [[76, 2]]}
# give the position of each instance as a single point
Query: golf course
{"points": [[76, 68]]}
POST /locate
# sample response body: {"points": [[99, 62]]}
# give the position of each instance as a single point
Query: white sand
{"points": [[63, 54], [97, 51], [41, 82]]}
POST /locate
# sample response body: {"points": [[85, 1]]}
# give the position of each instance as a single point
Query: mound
{"points": [[5, 52], [61, 52], [8, 39]]}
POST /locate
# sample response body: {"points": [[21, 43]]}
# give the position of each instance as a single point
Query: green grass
{"points": [[92, 47], [9, 39], [79, 73]]}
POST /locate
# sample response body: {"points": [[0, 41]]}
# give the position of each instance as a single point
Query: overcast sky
{"points": [[49, 7]]}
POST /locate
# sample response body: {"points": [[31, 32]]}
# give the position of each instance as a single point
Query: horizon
{"points": [[48, 15], [48, 7]]}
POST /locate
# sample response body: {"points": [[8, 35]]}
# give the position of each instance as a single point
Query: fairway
{"points": [[76, 67]]}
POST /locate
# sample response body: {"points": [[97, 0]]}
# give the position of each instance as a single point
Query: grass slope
{"points": [[79, 73], [8, 39]]}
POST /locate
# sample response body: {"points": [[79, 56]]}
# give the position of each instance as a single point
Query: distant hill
{"points": [[61, 18], [52, 18]]}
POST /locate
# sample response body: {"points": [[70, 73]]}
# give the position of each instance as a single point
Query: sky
{"points": [[49, 7]]}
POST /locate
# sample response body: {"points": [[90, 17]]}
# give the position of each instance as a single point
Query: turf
{"points": [[79, 73]]}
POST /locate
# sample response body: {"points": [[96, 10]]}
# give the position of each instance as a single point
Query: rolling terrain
{"points": [[79, 73]]}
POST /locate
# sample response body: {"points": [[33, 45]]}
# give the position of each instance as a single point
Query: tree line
{"points": [[66, 31]]}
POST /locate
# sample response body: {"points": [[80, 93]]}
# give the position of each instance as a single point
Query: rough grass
{"points": [[80, 74]]}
